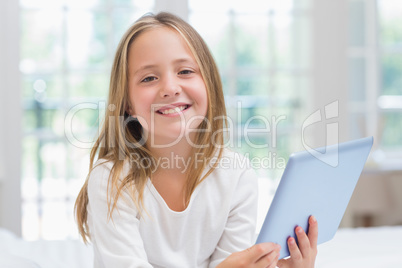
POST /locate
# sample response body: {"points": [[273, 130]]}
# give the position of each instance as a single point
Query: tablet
{"points": [[319, 183]]}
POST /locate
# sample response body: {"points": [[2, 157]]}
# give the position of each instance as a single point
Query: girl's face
{"points": [[166, 90]]}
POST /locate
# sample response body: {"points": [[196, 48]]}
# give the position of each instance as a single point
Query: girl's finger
{"points": [[256, 252], [283, 263], [294, 250], [275, 262], [304, 242], [270, 260], [313, 231]]}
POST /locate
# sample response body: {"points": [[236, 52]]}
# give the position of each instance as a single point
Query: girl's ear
{"points": [[129, 109]]}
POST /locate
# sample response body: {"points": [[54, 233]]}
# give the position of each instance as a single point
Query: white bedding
{"points": [[378, 247], [45, 254]]}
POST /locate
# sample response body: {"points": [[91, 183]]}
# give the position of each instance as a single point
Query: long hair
{"points": [[121, 136]]}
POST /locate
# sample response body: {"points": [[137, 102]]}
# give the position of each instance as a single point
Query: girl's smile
{"points": [[174, 109]]}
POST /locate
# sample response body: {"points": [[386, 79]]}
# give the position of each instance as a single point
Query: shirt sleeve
{"points": [[117, 241], [239, 232]]}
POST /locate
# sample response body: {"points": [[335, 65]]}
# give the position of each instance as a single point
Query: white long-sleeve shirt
{"points": [[219, 220]]}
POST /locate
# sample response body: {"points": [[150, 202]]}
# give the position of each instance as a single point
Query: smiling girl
{"points": [[166, 99]]}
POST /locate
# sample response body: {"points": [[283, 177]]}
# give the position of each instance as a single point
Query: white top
{"points": [[219, 220]]}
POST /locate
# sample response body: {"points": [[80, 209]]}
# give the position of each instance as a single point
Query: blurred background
{"points": [[279, 60]]}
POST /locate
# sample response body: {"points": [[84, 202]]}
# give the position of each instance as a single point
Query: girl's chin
{"points": [[172, 136], [169, 133]]}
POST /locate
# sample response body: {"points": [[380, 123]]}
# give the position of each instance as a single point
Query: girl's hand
{"points": [[304, 255], [264, 255]]}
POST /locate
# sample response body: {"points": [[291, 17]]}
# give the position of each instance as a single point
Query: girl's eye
{"points": [[186, 72], [149, 79]]}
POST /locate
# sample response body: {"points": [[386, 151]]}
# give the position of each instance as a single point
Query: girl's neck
{"points": [[177, 151]]}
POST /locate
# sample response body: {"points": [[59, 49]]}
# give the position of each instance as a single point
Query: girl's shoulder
{"points": [[228, 152], [103, 163], [99, 174], [233, 160], [103, 167], [232, 167], [106, 165], [233, 174]]}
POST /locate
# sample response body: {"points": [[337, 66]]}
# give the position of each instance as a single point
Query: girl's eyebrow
{"points": [[177, 61], [183, 60], [145, 67]]}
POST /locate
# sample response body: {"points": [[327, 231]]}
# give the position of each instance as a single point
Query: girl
{"points": [[164, 192]]}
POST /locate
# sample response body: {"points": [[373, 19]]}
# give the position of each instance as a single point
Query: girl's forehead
{"points": [[158, 33], [160, 41]]}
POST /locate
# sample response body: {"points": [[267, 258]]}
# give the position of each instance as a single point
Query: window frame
{"points": [[10, 118]]}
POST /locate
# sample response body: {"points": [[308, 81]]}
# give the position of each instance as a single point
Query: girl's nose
{"points": [[170, 88]]}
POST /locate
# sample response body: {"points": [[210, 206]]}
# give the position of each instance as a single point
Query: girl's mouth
{"points": [[173, 110]]}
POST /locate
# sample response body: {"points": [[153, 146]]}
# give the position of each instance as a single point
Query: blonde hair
{"points": [[121, 138]]}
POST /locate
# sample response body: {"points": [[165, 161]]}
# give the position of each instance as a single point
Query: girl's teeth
{"points": [[175, 110]]}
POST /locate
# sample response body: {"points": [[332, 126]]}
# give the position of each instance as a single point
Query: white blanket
{"points": [[379, 247], [17, 253]]}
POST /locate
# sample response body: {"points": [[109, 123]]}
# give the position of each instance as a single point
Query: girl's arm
{"points": [[264, 255], [117, 242], [239, 232]]}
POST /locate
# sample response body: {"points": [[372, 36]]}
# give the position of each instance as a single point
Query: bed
{"points": [[376, 247], [17, 253]]}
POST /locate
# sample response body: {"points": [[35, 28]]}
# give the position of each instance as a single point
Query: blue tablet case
{"points": [[311, 186]]}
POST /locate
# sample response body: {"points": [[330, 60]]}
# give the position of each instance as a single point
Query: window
{"points": [[375, 67], [390, 93], [264, 58]]}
